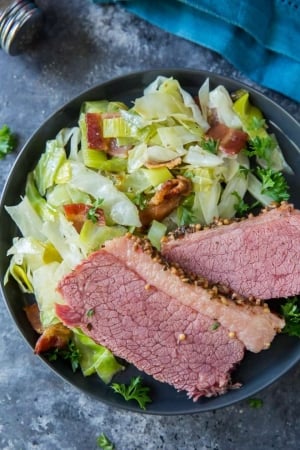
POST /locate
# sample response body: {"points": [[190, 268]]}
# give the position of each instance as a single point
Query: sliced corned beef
{"points": [[148, 327], [253, 324], [258, 256]]}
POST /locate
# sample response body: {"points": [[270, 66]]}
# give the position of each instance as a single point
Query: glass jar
{"points": [[20, 22]]}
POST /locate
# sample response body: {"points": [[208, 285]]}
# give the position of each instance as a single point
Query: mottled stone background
{"points": [[82, 45]]}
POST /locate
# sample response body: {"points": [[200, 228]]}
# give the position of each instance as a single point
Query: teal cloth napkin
{"points": [[261, 38]]}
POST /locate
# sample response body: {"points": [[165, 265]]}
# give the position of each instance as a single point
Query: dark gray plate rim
{"points": [[257, 371]]}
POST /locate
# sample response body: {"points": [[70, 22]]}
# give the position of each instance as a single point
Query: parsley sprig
{"points": [[210, 145], [7, 141], [133, 391], [104, 443], [273, 184], [71, 353], [241, 206], [185, 212], [262, 147], [255, 403], [291, 314], [92, 213]]}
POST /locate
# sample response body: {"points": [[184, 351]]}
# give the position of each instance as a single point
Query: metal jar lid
{"points": [[20, 23]]}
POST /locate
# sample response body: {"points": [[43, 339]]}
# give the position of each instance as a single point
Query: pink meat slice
{"points": [[148, 327], [259, 256], [254, 325]]}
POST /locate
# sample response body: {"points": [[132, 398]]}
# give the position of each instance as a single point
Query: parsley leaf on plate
{"points": [[291, 314], [70, 353], [133, 391], [273, 184], [93, 213]]}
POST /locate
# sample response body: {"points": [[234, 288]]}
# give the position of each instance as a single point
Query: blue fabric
{"points": [[261, 38]]}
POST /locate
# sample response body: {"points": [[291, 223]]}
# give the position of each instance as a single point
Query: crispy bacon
{"points": [[33, 316], [169, 164], [166, 199], [54, 336], [94, 132], [95, 139], [77, 213], [231, 140]]}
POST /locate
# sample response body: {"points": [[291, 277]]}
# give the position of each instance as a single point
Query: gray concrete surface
{"points": [[82, 45]]}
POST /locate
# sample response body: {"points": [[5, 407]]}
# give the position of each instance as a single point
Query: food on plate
{"points": [[180, 331], [258, 256], [255, 325], [145, 325], [171, 159]]}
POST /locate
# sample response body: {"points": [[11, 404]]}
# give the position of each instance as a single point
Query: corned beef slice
{"points": [[146, 314], [258, 256], [157, 333], [254, 325]]}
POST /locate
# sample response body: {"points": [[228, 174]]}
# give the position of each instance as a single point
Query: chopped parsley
{"points": [[90, 312], [255, 403], [261, 147], [140, 200], [185, 212], [104, 443], [133, 391], [71, 353], [7, 141], [273, 184], [210, 145], [241, 206], [257, 123], [291, 314], [215, 326], [92, 213]]}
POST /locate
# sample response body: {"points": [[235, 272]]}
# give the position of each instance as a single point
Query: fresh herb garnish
{"points": [[90, 312], [7, 141], [243, 170], [215, 326], [255, 403], [71, 353], [92, 213], [140, 200], [104, 443], [273, 184], [257, 123], [291, 314], [185, 212], [241, 206], [210, 145], [134, 391], [261, 147]]}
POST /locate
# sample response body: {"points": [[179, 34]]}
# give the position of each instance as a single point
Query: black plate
{"points": [[256, 371]]}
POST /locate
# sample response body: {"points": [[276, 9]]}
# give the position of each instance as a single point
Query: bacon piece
{"points": [[54, 336], [166, 199], [232, 141], [169, 164], [94, 131], [95, 139], [77, 213], [33, 316]]}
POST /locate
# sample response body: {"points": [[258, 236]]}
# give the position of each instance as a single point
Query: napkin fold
{"points": [[260, 38]]}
